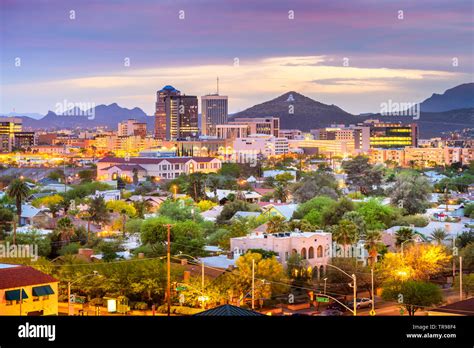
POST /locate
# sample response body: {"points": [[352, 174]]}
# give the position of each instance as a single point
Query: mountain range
{"points": [[450, 111]]}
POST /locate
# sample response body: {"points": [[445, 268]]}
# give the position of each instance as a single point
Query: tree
{"points": [[18, 190], [414, 294], [196, 187], [465, 238], [418, 262], [357, 219], [179, 210], [205, 205], [122, 208], [403, 234], [154, 232], [230, 169], [297, 267], [345, 233], [372, 239], [467, 254], [467, 284], [135, 176], [438, 235], [362, 175], [6, 219], [281, 186], [86, 175], [141, 207], [33, 237], [376, 215], [57, 174], [276, 224], [267, 270], [98, 210], [317, 204], [238, 228], [315, 184], [334, 214], [230, 208], [411, 192], [64, 229]]}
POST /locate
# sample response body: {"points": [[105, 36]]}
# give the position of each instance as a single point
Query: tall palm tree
{"points": [[345, 233], [403, 234], [438, 235], [18, 190], [276, 224], [372, 238]]}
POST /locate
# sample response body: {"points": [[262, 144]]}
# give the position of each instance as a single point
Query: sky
{"points": [[354, 54]]}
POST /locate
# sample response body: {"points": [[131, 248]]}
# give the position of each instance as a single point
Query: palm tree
{"points": [[276, 224], [142, 207], [18, 190], [403, 234], [372, 238], [345, 233], [65, 229], [438, 235]]}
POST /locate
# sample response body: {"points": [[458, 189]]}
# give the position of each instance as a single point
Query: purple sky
{"points": [[82, 60]]}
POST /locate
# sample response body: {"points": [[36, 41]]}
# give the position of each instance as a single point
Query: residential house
{"points": [[26, 291]]}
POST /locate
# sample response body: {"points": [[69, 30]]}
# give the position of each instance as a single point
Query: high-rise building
{"points": [[12, 135], [214, 109], [131, 128], [176, 115], [388, 135]]}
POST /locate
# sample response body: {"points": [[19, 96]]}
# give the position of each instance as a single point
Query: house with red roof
{"points": [[26, 291], [109, 168]]}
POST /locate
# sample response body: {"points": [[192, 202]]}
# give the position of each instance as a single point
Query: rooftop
{"points": [[13, 276]]}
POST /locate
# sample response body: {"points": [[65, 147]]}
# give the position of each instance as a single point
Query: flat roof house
{"points": [[26, 291]]}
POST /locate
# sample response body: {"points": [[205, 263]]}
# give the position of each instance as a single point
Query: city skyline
{"points": [[259, 51]]}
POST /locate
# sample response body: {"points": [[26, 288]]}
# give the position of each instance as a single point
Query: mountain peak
{"points": [[459, 97]]}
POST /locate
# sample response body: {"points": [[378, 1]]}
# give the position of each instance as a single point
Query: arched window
{"points": [[294, 251], [303, 253], [320, 251], [311, 253]]}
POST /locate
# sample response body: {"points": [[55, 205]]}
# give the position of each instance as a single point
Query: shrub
{"points": [[416, 220]]}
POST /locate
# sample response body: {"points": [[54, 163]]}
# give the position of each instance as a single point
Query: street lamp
{"points": [[354, 286], [325, 279], [70, 309]]}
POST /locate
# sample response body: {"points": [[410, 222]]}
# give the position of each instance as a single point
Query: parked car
{"points": [[331, 313], [360, 303], [337, 306]]}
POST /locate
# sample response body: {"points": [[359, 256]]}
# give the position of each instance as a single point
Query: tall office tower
{"points": [[214, 111], [187, 122], [12, 135], [166, 112], [387, 135], [176, 115]]}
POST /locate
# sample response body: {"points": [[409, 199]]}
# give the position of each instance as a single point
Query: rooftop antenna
{"points": [[217, 85]]}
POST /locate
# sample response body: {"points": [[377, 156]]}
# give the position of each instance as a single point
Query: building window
{"points": [[35, 298], [303, 253], [311, 253], [9, 303], [320, 251]]}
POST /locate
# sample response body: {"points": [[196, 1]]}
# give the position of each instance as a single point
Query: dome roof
{"points": [[168, 88]]}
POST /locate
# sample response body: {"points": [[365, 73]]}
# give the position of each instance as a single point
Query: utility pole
{"points": [[355, 294], [168, 255], [454, 261], [373, 295], [253, 283], [460, 278], [14, 229]]}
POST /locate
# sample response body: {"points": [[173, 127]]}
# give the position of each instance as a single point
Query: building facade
{"points": [[214, 111], [131, 128], [108, 168], [314, 247], [260, 125]]}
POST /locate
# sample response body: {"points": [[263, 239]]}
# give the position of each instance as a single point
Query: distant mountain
{"points": [[307, 113], [33, 115], [101, 115], [459, 97]]}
